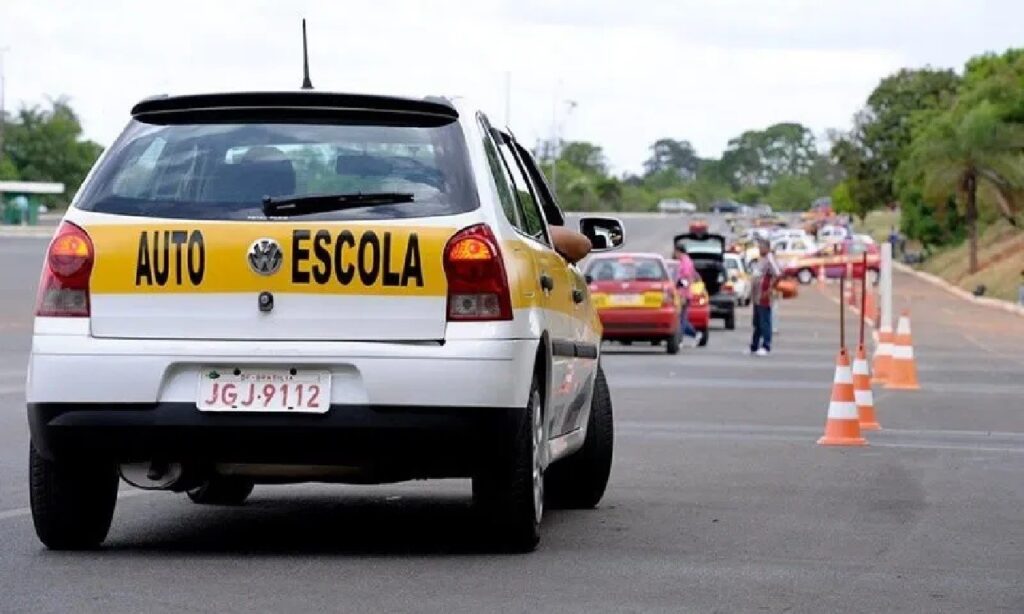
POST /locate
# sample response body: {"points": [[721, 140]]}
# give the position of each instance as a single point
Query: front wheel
{"points": [[805, 276], [579, 481], [509, 488], [72, 502]]}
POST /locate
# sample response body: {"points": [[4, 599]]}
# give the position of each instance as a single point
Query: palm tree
{"points": [[968, 155]]}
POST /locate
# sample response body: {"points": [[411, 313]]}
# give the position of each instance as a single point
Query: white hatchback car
{"points": [[306, 286]]}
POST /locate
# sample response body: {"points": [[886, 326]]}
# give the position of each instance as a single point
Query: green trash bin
{"points": [[32, 217], [11, 215]]}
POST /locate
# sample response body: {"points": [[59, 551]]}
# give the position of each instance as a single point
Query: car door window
{"points": [[528, 208], [498, 172]]}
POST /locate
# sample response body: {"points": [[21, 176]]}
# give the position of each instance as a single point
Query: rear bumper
{"points": [[79, 369], [699, 317], [723, 306], [639, 323], [394, 442]]}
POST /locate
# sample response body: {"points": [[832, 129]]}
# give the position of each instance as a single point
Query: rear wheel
{"points": [[509, 489], [222, 490], [805, 276], [730, 322], [579, 481], [72, 502], [672, 344], [705, 333]]}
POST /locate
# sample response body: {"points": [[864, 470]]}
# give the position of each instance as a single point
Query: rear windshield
{"points": [[697, 247], [223, 170], [632, 269]]}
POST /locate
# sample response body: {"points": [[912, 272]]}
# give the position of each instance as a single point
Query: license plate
{"points": [[253, 390], [626, 300]]}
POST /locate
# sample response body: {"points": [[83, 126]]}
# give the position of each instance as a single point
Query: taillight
{"points": [[727, 288], [64, 283], [669, 298], [702, 300], [477, 284]]}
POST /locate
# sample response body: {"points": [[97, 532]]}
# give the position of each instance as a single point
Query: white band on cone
{"points": [[903, 328], [903, 352], [884, 349], [860, 367], [864, 398], [843, 376], [842, 410]]}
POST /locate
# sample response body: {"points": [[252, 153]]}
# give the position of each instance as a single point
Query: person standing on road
{"points": [[766, 275], [687, 275]]}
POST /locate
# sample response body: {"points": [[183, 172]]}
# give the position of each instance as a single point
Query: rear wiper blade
{"points": [[324, 203]]}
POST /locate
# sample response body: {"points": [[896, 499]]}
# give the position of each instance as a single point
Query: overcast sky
{"points": [[637, 69]]}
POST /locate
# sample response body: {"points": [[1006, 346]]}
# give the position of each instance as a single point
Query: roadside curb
{"points": [[960, 292]]}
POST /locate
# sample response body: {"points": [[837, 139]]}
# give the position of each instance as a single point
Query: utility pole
{"points": [[3, 111], [556, 140]]}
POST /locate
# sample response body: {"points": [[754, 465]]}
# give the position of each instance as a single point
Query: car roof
{"points": [[433, 110], [619, 255]]}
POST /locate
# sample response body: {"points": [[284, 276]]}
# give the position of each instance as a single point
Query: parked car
{"points": [[676, 205], [738, 282], [635, 298], [833, 259]]}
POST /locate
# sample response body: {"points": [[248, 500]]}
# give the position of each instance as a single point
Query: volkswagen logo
{"points": [[265, 256]]}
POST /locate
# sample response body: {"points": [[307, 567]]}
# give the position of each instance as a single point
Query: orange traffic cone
{"points": [[862, 392], [903, 375], [870, 307], [882, 365], [842, 428]]}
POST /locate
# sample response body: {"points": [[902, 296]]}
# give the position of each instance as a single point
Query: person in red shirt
{"points": [[766, 275]]}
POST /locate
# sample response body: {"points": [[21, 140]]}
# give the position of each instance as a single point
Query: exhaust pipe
{"points": [[156, 475]]}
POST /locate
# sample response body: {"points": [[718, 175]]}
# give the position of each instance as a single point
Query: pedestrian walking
{"points": [[687, 275], [766, 276]]}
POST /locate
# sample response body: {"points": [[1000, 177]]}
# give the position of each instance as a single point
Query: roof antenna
{"points": [[306, 84]]}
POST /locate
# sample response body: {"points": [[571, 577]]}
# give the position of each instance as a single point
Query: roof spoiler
{"points": [[302, 104]]}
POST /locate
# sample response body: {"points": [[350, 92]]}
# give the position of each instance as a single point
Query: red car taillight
{"points": [[64, 283], [477, 284], [669, 297], [702, 300], [728, 288]]}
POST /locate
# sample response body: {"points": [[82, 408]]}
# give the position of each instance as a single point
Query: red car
{"points": [[635, 298], [834, 258]]}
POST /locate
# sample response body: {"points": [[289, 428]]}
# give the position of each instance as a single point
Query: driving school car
{"points": [[635, 298], [305, 286]]}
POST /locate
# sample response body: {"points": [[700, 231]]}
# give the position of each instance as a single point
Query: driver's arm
{"points": [[572, 245]]}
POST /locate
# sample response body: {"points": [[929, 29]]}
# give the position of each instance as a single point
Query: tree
{"points": [[47, 145], [843, 201], [790, 193], [585, 156], [759, 157], [671, 156], [872, 151], [963, 155]]}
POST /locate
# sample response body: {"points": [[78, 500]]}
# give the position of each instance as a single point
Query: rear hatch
{"points": [[707, 251], [260, 217]]}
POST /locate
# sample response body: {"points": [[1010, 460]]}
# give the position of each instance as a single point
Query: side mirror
{"points": [[588, 278], [605, 233]]}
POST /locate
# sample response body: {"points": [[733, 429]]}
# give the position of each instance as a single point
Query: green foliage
{"points": [[791, 193], [760, 157], [675, 158], [872, 151], [47, 145]]}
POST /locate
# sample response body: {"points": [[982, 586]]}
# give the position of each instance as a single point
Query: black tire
{"points": [[730, 322], [579, 481], [672, 344], [72, 502], [705, 334], [508, 490], [222, 490], [626, 342]]}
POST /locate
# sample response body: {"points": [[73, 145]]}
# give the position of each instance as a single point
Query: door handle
{"points": [[547, 283], [578, 296]]}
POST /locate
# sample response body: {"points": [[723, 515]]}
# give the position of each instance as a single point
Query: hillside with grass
{"points": [[1000, 256]]}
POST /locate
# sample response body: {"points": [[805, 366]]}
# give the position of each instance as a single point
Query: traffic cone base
{"points": [[903, 372], [842, 427], [882, 365], [862, 394]]}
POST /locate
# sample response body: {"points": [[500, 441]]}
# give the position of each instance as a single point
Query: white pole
{"points": [[886, 287]]}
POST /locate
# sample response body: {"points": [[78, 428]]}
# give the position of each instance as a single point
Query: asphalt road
{"points": [[719, 499]]}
